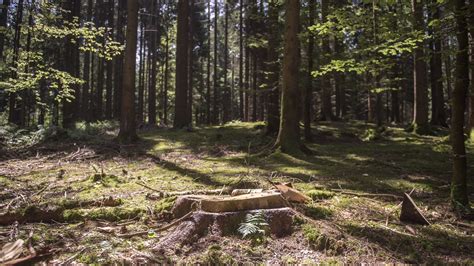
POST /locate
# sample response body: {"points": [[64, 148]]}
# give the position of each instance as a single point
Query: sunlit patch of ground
{"points": [[346, 228]]}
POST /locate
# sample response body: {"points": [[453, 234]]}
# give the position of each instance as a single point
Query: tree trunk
{"points": [[325, 81], [208, 77], [141, 75], [153, 58], [226, 104], [241, 61], [273, 101], [86, 75], [109, 66], [3, 24], [215, 109], [438, 116], [459, 179], [180, 119], [118, 61], [189, 107], [308, 99], [127, 122], [288, 139], [14, 112], [420, 115]]}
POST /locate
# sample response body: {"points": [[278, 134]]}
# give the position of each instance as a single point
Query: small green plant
{"points": [[254, 227]]}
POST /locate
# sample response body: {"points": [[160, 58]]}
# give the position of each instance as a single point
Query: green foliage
{"points": [[254, 226], [317, 194]]}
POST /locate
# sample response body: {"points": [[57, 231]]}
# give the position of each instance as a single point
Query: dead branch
{"points": [[369, 195]]}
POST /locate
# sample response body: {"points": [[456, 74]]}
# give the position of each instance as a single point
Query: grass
{"points": [[350, 156]]}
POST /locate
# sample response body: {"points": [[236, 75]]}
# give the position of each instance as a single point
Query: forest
{"points": [[231, 132]]}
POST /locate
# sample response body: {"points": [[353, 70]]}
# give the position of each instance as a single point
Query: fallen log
{"points": [[50, 212]]}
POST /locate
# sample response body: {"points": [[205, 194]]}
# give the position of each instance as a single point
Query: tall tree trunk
{"points": [[226, 104], [165, 83], [325, 80], [99, 92], [470, 20], [438, 115], [14, 112], [241, 61], [152, 53], [376, 84], [288, 139], [208, 78], [273, 101], [420, 115], [215, 106], [459, 179], [308, 99], [254, 86], [247, 84], [189, 107], [127, 122], [3, 24], [141, 75], [180, 119], [86, 75], [118, 60], [109, 65]]}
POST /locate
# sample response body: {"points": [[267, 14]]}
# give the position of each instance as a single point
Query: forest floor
{"points": [[85, 168]]}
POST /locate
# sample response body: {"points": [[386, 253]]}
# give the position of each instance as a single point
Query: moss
{"points": [[165, 204], [317, 194], [106, 213], [215, 256], [321, 241], [317, 212]]}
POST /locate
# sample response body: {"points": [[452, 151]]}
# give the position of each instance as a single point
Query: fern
{"points": [[254, 225]]}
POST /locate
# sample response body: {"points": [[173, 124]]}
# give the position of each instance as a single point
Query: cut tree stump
{"points": [[202, 223], [219, 204], [410, 213]]}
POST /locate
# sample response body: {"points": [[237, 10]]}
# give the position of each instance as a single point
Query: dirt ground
{"points": [[80, 196]]}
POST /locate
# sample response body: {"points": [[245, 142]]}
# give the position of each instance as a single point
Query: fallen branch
{"points": [[370, 195], [163, 228], [164, 194], [70, 259]]}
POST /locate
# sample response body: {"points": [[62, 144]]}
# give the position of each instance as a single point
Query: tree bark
{"points": [[14, 105], [180, 119], [288, 139], [226, 96], [109, 65], [127, 122], [3, 24], [241, 61], [420, 115], [118, 60], [325, 81], [273, 101], [459, 178], [438, 115]]}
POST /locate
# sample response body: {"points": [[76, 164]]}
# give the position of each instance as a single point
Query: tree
{"points": [[308, 99], [180, 117], [420, 115], [288, 139], [272, 82], [3, 24], [459, 178], [127, 122]]}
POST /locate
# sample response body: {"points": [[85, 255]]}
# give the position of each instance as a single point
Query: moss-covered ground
{"points": [[349, 156]]}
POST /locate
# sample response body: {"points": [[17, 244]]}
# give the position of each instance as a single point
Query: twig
{"points": [[163, 228], [396, 231], [66, 262], [150, 188], [342, 191]]}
